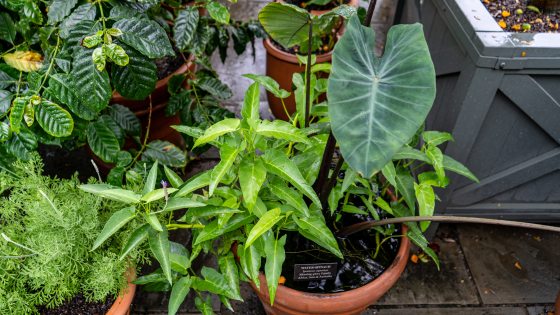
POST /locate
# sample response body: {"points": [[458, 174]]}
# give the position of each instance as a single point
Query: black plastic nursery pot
{"points": [[498, 94]]}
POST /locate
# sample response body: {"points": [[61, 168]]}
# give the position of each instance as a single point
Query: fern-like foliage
{"points": [[47, 228]]}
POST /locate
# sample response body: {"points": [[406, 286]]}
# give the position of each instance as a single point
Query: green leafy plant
{"points": [[64, 59], [45, 242]]}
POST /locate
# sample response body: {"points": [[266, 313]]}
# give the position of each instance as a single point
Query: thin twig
{"points": [[349, 230], [325, 164], [369, 15], [326, 189]]}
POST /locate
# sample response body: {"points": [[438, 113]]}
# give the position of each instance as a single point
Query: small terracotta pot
{"points": [[281, 66], [292, 302], [121, 306]]}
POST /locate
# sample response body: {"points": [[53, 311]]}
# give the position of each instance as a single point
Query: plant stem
{"points": [[326, 190], [144, 144], [184, 226], [325, 164], [354, 228], [369, 15], [308, 75], [50, 64]]}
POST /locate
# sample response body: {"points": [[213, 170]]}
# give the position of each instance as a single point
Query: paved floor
{"points": [[484, 270]]}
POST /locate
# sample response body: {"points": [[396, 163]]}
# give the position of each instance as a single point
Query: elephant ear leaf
{"points": [[287, 24], [376, 104]]}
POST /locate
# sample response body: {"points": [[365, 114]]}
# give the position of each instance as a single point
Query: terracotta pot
{"points": [[281, 66], [293, 302], [121, 306], [557, 305]]}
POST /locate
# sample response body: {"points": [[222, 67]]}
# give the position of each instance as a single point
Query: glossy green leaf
{"points": [[185, 26], [416, 236], [102, 141], [166, 153], [269, 84], [251, 103], [204, 306], [214, 86], [436, 138], [136, 238], [228, 267], [286, 24], [377, 104], [61, 86], [157, 194], [153, 222], [177, 203], [113, 193], [250, 260], [252, 174], [92, 41], [84, 12], [151, 179], [137, 79], [436, 158], [452, 165], [293, 198], [390, 173], [16, 113], [59, 9], [179, 257], [55, 120], [426, 202], [116, 53], [115, 223], [218, 12], [22, 144], [405, 187], [126, 119], [218, 129], [278, 164], [7, 27], [146, 36], [315, 229], [99, 58], [265, 223], [409, 153], [92, 86], [213, 230], [178, 294], [214, 282], [196, 182], [280, 129], [175, 180], [227, 157], [275, 256], [160, 247]]}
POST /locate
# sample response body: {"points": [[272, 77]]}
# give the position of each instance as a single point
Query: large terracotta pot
{"points": [[557, 305], [121, 306], [160, 124], [281, 66], [292, 302]]}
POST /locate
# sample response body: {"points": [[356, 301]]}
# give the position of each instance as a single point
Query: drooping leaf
{"points": [[92, 86], [218, 129], [250, 260], [160, 247], [390, 173], [213, 282], [7, 27], [269, 84], [436, 158], [146, 36], [286, 24], [426, 202], [113, 193], [165, 152], [405, 187], [228, 155], [315, 229], [102, 141], [178, 294], [452, 165], [176, 203], [377, 104], [137, 79], [275, 256], [185, 26], [265, 223], [407, 152], [180, 258], [55, 120], [228, 267], [252, 174], [213, 229], [115, 223], [281, 190], [26, 61], [436, 138], [278, 164], [22, 144], [204, 306], [136, 238]]}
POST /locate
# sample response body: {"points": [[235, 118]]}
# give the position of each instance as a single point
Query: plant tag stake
{"points": [[314, 271]]}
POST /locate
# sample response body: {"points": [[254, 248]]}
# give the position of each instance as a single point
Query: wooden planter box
{"points": [[499, 94]]}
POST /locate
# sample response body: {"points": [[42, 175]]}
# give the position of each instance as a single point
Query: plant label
{"points": [[304, 272]]}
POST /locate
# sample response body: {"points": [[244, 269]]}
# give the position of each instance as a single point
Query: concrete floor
{"points": [[484, 270]]}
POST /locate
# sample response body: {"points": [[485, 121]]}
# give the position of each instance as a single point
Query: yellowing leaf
{"points": [[505, 13], [502, 24], [26, 61]]}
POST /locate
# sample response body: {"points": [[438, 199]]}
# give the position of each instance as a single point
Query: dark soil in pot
{"points": [[360, 265], [79, 305], [326, 46], [329, 6], [516, 16]]}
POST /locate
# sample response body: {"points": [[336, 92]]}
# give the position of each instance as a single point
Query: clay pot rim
{"points": [[122, 304], [117, 97], [291, 58], [395, 267]]}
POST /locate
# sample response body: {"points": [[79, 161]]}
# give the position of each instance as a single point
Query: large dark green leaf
{"points": [[56, 121], [136, 80], [7, 27], [126, 119], [166, 153], [5, 102], [185, 26], [63, 90], [102, 141], [84, 12], [22, 144], [146, 36], [92, 86], [215, 87], [275, 256], [376, 105], [59, 9]]}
